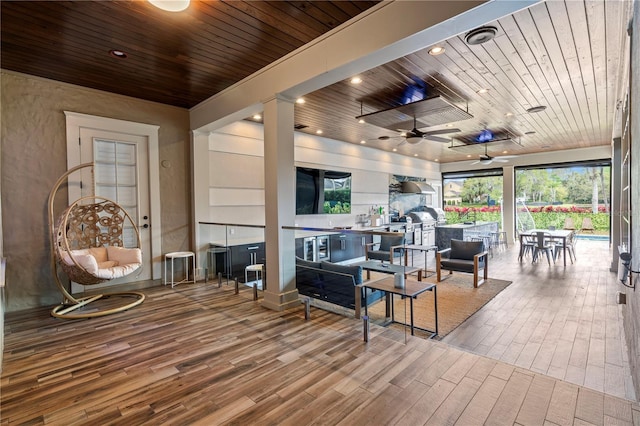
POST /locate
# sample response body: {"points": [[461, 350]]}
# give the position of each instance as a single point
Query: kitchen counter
{"points": [[462, 231]]}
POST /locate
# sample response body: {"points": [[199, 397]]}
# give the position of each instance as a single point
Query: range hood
{"points": [[411, 187]]}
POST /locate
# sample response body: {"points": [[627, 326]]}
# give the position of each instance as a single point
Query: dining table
{"points": [[553, 234]]}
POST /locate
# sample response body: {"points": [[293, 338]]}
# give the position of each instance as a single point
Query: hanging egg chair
{"points": [[88, 246]]}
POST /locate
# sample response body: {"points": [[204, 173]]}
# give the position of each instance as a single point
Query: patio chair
{"points": [[587, 225], [464, 256], [390, 247], [568, 224], [544, 244]]}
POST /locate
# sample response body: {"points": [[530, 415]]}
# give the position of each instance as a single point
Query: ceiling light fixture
{"points": [[395, 149], [415, 155], [171, 5], [480, 35], [363, 141], [356, 80], [318, 132], [257, 117], [300, 101], [361, 121], [482, 91], [118, 54], [508, 114], [436, 50], [538, 108]]}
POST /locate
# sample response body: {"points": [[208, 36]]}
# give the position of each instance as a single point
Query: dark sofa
{"points": [[332, 282]]}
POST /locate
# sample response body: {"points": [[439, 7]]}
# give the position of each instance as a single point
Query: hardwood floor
{"points": [[197, 354]]}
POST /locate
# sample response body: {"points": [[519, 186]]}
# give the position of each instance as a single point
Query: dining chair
{"points": [[543, 244], [567, 246], [527, 243]]}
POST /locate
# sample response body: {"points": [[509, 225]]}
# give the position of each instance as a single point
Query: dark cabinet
{"points": [[244, 255], [346, 246]]}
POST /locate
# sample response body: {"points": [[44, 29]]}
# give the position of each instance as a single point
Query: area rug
{"points": [[457, 301]]}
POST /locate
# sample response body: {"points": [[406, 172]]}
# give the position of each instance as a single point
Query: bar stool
{"points": [[184, 255], [500, 239], [257, 268]]}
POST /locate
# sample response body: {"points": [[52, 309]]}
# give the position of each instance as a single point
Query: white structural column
{"points": [[279, 195], [509, 202]]}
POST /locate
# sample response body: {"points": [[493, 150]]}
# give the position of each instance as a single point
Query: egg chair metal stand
{"points": [[87, 245]]}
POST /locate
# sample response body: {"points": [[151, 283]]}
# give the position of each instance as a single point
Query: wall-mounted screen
{"points": [[322, 191]]}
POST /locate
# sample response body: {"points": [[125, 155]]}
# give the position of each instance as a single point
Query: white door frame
{"points": [[76, 121]]}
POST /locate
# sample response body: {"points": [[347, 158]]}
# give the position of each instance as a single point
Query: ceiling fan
{"points": [[415, 136], [487, 159]]}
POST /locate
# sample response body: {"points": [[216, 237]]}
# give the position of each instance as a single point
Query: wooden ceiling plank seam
{"points": [[597, 25], [214, 32], [559, 51], [89, 35], [541, 75], [546, 50], [241, 25], [500, 77], [462, 54], [276, 17], [578, 77], [324, 12], [125, 69], [583, 39]]}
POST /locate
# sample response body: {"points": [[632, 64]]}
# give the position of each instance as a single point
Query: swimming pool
{"points": [[593, 237]]}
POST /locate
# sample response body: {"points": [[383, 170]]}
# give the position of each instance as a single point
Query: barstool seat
{"points": [[257, 268], [185, 256]]}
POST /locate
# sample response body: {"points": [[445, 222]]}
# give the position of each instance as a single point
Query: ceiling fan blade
{"points": [[402, 142], [500, 160], [436, 138], [442, 132]]}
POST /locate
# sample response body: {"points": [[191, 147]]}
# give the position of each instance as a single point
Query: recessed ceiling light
{"points": [[394, 149], [403, 134], [361, 121], [257, 117], [356, 80], [509, 114], [538, 108], [319, 132], [363, 141], [171, 5], [482, 91], [415, 155], [449, 125], [480, 35], [300, 101], [505, 152], [118, 54], [436, 160], [468, 155], [436, 50]]}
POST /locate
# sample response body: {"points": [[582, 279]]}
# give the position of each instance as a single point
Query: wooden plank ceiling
{"points": [[564, 55]]}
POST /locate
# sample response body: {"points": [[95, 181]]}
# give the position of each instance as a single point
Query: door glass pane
{"points": [[115, 177]]}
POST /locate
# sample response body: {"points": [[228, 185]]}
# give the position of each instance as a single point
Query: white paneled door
{"points": [[121, 174]]}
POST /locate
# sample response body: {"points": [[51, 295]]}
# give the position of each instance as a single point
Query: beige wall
{"points": [[34, 156]]}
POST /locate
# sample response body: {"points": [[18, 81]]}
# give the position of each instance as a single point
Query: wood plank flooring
{"points": [[197, 354], [560, 321]]}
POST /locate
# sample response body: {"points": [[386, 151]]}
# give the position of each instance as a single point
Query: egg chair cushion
{"points": [[106, 263]]}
